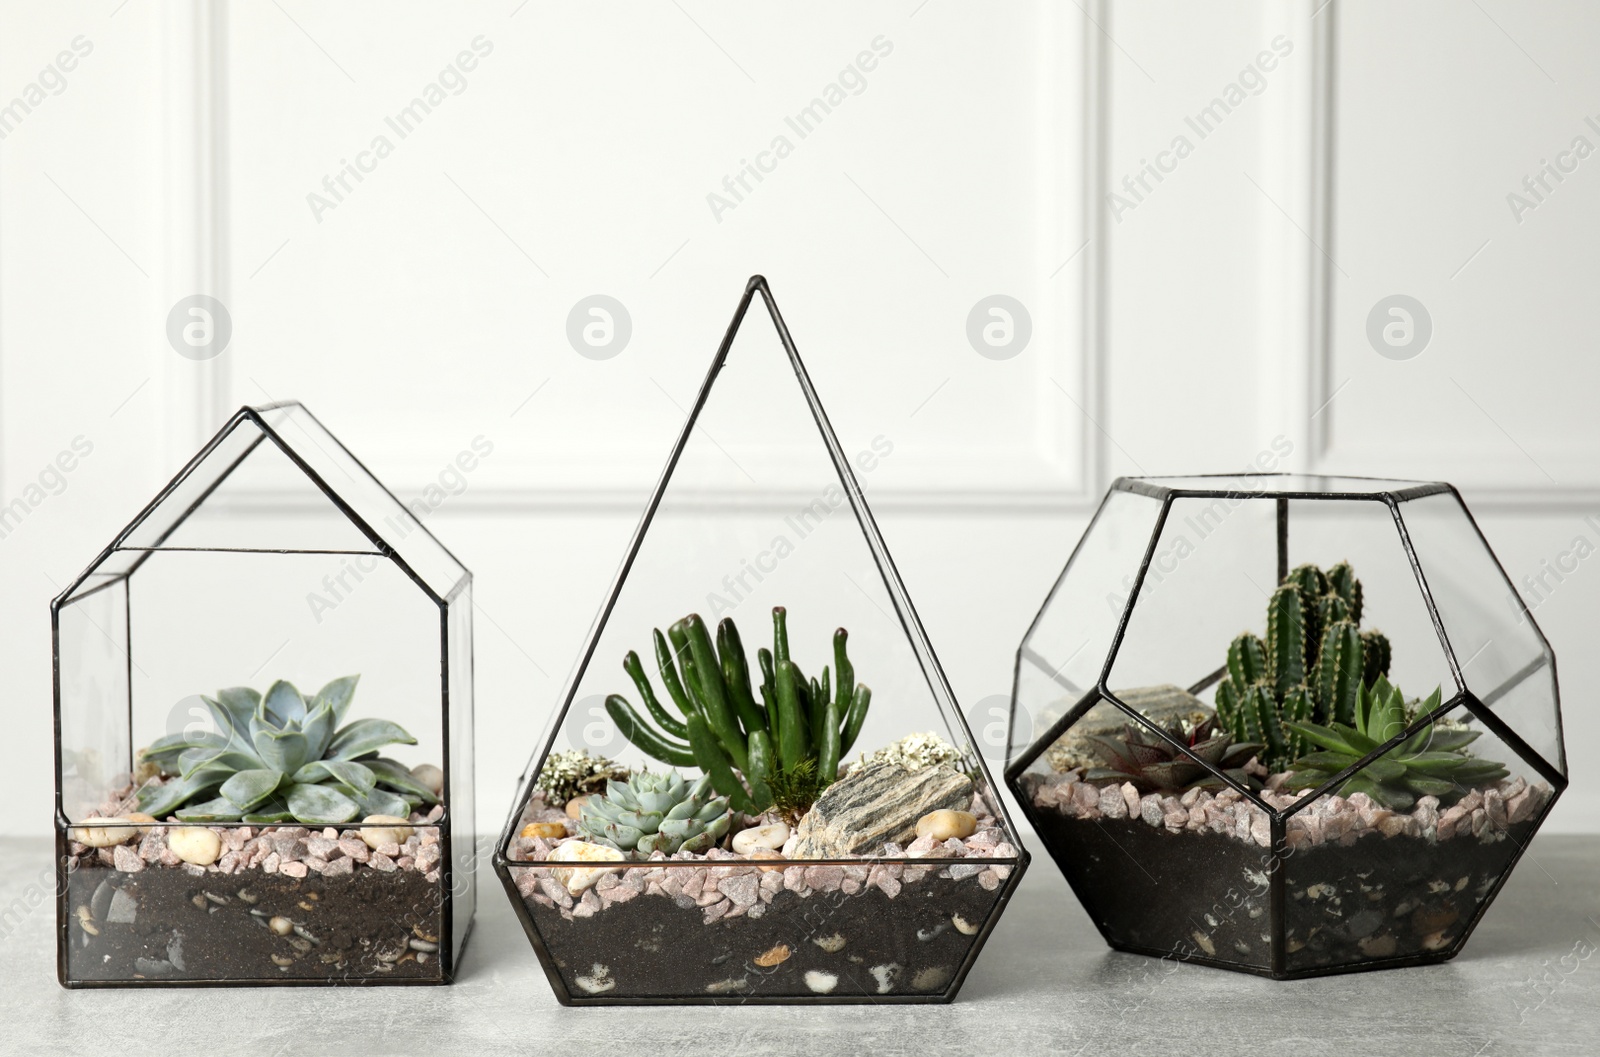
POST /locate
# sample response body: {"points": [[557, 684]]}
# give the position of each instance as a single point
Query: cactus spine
{"points": [[1310, 669]]}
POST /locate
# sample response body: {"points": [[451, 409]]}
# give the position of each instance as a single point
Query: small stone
{"points": [[1150, 810], [575, 806], [821, 982], [126, 859], [598, 980], [430, 776], [340, 867], [1520, 807], [281, 925], [577, 880], [886, 975], [379, 830], [293, 869], [548, 830], [946, 824], [764, 838], [377, 861], [859, 812], [990, 879], [124, 909], [1379, 946], [773, 956], [963, 926], [933, 978], [195, 845], [743, 890], [103, 832]]}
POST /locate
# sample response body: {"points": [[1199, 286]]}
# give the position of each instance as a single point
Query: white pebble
{"points": [[103, 832], [195, 844], [820, 982], [770, 838], [389, 829], [430, 776]]}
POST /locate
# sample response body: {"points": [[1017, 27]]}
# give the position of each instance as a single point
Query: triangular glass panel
{"points": [[773, 654]]}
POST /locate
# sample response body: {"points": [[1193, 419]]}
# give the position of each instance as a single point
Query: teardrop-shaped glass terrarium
{"points": [[758, 786]]}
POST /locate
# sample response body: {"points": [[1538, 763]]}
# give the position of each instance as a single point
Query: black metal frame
{"points": [[1391, 494], [381, 548], [910, 623]]}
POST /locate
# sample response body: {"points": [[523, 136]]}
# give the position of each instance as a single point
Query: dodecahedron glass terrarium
{"points": [[757, 786], [1289, 725], [214, 824]]}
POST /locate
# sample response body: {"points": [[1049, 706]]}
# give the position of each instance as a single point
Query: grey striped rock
{"points": [[860, 812]]}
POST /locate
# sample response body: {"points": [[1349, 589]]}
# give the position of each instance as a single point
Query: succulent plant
{"points": [[573, 773], [1311, 667], [739, 743], [653, 812], [1433, 761], [279, 757], [1153, 765]]}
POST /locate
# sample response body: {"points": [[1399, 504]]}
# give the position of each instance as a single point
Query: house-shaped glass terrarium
{"points": [[263, 698], [1284, 724], [757, 787]]}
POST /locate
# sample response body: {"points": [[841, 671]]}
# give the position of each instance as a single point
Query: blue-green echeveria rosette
{"points": [[282, 757]]}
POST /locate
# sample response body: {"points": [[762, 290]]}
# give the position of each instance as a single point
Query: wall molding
{"points": [[1039, 477]]}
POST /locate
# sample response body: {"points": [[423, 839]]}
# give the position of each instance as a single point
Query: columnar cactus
{"points": [[1311, 667]]}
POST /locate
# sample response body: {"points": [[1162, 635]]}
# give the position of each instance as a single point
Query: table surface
{"points": [[1045, 984]]}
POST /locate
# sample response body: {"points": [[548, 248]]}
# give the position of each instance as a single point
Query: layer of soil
{"points": [[164, 923], [1205, 894], [827, 944]]}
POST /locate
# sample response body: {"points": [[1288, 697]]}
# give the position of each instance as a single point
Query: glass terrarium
{"points": [[1288, 725], [758, 786], [263, 702]]}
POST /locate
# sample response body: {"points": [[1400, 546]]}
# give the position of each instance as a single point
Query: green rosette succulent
{"points": [[280, 757], [654, 812], [1432, 762], [1152, 765]]}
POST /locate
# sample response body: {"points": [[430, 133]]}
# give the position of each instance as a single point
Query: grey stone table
{"points": [[1526, 984]]}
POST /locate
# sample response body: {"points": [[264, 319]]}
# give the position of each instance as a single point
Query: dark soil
{"points": [[215, 928], [650, 947], [1205, 895]]}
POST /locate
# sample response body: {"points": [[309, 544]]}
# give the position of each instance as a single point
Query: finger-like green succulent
{"points": [[742, 744], [1433, 761], [279, 757], [655, 812]]}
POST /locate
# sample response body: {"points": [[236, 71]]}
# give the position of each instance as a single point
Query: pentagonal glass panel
{"points": [[1499, 649], [1165, 858], [1065, 650], [237, 692], [790, 744], [1400, 860], [1280, 483]]}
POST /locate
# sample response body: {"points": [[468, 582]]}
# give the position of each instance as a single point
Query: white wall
{"points": [[429, 305]]}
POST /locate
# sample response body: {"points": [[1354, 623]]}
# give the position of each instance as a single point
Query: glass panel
{"points": [[1400, 867], [1491, 634], [92, 688], [465, 845], [1283, 482], [890, 852], [196, 481], [1065, 650], [366, 496], [1162, 865]]}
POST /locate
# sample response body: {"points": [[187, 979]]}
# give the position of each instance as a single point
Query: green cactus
{"points": [[1433, 761], [655, 812], [1310, 668], [800, 725]]}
